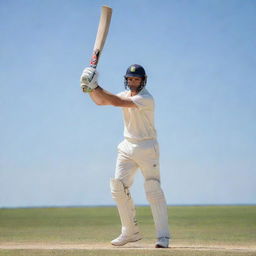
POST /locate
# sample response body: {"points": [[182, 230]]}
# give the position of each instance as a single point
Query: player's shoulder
{"points": [[145, 94]]}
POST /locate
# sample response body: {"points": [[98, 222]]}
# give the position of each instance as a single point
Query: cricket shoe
{"points": [[162, 242], [124, 239]]}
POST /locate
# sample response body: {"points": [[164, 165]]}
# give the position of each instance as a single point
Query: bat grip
{"points": [[95, 58]]}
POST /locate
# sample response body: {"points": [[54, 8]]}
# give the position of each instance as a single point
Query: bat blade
{"points": [[105, 18]]}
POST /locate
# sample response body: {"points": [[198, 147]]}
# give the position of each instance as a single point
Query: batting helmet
{"points": [[136, 70]]}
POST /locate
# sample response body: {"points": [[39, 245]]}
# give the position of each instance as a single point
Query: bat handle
{"points": [[95, 58], [93, 64]]}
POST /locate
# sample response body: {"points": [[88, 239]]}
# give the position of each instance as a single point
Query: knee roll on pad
{"points": [[154, 191], [118, 190]]}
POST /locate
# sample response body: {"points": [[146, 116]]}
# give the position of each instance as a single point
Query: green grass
{"points": [[207, 226]]}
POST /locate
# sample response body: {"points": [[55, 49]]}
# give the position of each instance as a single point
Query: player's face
{"points": [[134, 82]]}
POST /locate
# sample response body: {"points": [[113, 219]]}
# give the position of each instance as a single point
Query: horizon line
{"points": [[113, 205]]}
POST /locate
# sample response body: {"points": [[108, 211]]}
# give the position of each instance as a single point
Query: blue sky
{"points": [[58, 149]]}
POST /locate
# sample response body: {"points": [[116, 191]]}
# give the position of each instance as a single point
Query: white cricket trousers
{"points": [[144, 155], [133, 155]]}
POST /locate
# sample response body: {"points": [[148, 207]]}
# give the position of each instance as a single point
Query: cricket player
{"points": [[138, 150]]}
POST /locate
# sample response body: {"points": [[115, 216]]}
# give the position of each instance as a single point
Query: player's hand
{"points": [[88, 79]]}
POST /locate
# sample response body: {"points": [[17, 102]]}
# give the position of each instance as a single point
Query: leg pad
{"points": [[158, 206]]}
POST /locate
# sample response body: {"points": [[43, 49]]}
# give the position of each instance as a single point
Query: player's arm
{"points": [[103, 97], [88, 82]]}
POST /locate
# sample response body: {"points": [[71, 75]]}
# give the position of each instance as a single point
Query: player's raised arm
{"points": [[100, 96], [103, 97]]}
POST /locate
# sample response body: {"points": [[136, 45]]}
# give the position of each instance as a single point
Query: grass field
{"points": [[202, 230]]}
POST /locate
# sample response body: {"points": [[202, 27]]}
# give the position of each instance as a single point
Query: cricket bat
{"points": [[105, 18]]}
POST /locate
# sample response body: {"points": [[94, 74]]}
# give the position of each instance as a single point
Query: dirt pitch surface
{"points": [[106, 246]]}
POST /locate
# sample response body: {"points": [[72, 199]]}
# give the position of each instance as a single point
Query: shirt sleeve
{"points": [[120, 94], [143, 102]]}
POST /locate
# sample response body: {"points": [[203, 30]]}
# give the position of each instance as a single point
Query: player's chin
{"points": [[133, 88]]}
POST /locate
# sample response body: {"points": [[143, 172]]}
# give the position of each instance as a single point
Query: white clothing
{"points": [[131, 156], [143, 155], [139, 122], [140, 150]]}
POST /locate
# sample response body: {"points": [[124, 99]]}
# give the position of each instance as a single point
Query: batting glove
{"points": [[88, 79]]}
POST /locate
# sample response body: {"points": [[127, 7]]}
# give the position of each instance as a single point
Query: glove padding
{"points": [[86, 89], [88, 79]]}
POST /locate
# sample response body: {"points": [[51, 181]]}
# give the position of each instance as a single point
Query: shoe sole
{"points": [[160, 246]]}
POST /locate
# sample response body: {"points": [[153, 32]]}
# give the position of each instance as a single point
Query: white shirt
{"points": [[139, 122]]}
